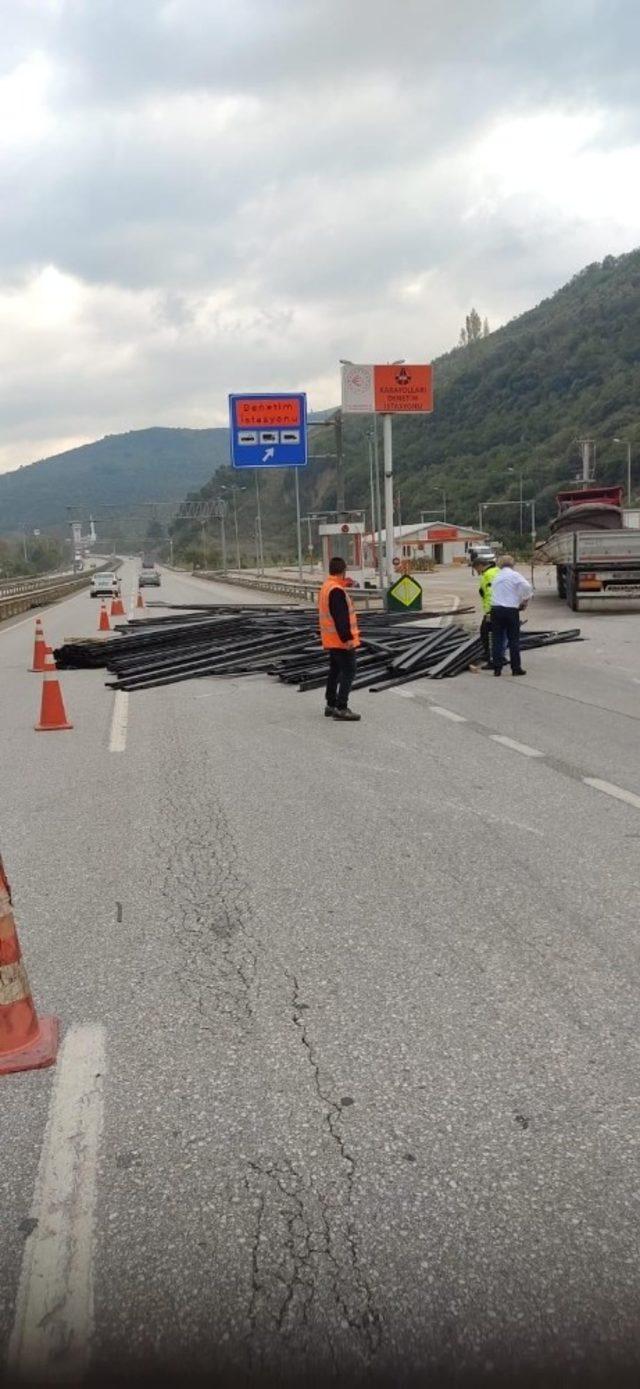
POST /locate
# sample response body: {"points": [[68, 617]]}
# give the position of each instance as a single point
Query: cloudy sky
{"points": [[210, 195]]}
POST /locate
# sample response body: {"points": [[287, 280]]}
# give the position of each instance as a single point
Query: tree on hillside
{"points": [[474, 329]]}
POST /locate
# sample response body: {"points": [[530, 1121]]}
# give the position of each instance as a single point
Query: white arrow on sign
{"points": [[270, 453]]}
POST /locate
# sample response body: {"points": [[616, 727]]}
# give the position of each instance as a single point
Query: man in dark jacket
{"points": [[340, 636]]}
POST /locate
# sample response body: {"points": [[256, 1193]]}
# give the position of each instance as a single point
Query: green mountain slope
{"points": [[110, 477], [517, 400]]}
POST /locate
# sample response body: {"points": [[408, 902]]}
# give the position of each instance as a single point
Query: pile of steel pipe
{"points": [[228, 640]]}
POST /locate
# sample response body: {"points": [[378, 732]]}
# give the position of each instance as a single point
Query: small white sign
{"points": [[358, 392], [248, 436], [268, 436], [289, 436]]}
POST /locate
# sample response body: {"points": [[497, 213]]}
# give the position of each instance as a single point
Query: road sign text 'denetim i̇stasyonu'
{"points": [[268, 431]]}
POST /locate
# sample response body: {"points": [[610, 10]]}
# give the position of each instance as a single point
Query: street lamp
{"points": [[227, 487], [626, 441], [519, 474]]}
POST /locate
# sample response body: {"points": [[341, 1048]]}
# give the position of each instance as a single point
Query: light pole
{"points": [[259, 549], [519, 474], [626, 441], [222, 508], [226, 487]]}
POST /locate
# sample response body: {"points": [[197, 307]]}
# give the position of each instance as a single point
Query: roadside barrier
{"points": [[26, 1042], [39, 649], [53, 717]]}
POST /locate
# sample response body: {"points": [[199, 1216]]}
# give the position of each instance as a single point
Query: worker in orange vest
{"points": [[340, 636]]}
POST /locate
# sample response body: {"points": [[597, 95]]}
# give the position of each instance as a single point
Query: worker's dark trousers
{"points": [[342, 669], [505, 628], [485, 629]]}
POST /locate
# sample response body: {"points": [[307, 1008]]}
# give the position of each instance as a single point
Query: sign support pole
{"points": [[260, 555], [387, 438], [376, 478], [298, 526]]}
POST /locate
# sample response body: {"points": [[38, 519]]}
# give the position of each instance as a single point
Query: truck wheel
{"points": [[561, 581], [572, 592]]}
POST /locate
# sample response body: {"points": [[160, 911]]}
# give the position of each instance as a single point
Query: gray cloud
{"points": [[232, 193]]}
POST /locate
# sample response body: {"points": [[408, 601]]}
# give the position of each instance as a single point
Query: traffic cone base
{"points": [[27, 1043], [53, 715], [36, 1054]]}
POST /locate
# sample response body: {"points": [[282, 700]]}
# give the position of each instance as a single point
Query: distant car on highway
{"points": [[105, 585], [149, 575]]}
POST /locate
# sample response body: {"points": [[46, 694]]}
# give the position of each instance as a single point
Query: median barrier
{"points": [[305, 592]]}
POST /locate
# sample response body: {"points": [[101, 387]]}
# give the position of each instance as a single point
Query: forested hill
{"points": [[517, 399], [111, 475]]}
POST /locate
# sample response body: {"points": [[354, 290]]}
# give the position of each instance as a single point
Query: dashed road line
{"points": [[515, 747], [608, 788], [53, 1320], [447, 714], [119, 722]]}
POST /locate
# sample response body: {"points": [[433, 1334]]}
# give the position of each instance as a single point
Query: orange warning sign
{"points": [[401, 389], [254, 412]]}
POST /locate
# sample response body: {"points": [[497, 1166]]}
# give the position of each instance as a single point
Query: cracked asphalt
{"points": [[371, 1005]]}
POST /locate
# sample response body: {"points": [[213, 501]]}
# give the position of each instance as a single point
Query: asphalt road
{"points": [[350, 1077]]}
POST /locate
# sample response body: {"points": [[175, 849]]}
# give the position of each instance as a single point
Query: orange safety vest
{"points": [[328, 631]]}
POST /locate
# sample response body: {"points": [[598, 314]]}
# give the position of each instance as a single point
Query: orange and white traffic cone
{"points": [[140, 599], [117, 607], [27, 1042], [104, 624], [53, 715], [39, 648]]}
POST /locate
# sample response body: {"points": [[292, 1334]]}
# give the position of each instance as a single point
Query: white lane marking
{"points": [[516, 747], [618, 792], [447, 714], [404, 694], [119, 720], [53, 1320]]}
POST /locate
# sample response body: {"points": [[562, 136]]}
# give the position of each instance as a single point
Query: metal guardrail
{"points": [[20, 595], [306, 592]]}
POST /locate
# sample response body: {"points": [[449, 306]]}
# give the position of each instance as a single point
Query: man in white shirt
{"points": [[510, 592]]}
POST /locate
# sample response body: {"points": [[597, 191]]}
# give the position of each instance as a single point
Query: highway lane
{"points": [[369, 1003]]}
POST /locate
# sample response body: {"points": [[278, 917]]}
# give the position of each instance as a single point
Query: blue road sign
{"points": [[268, 431]]}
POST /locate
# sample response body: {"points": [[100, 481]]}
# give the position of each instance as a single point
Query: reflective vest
{"points": [[328, 632], [486, 580]]}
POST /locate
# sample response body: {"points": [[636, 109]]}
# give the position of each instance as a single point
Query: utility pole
{"points": [[259, 549], [626, 441], [337, 425], [223, 536], [376, 478], [298, 526], [387, 443], [588, 454]]}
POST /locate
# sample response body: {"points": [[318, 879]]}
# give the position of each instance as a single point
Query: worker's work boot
{"points": [[347, 715], [329, 711]]}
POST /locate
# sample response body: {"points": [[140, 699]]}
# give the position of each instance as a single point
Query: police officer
{"points": [[488, 571], [340, 636]]}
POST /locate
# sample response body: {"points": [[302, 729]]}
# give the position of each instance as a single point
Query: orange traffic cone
{"points": [[140, 599], [39, 648], [104, 624], [26, 1041], [52, 711], [117, 607]]}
